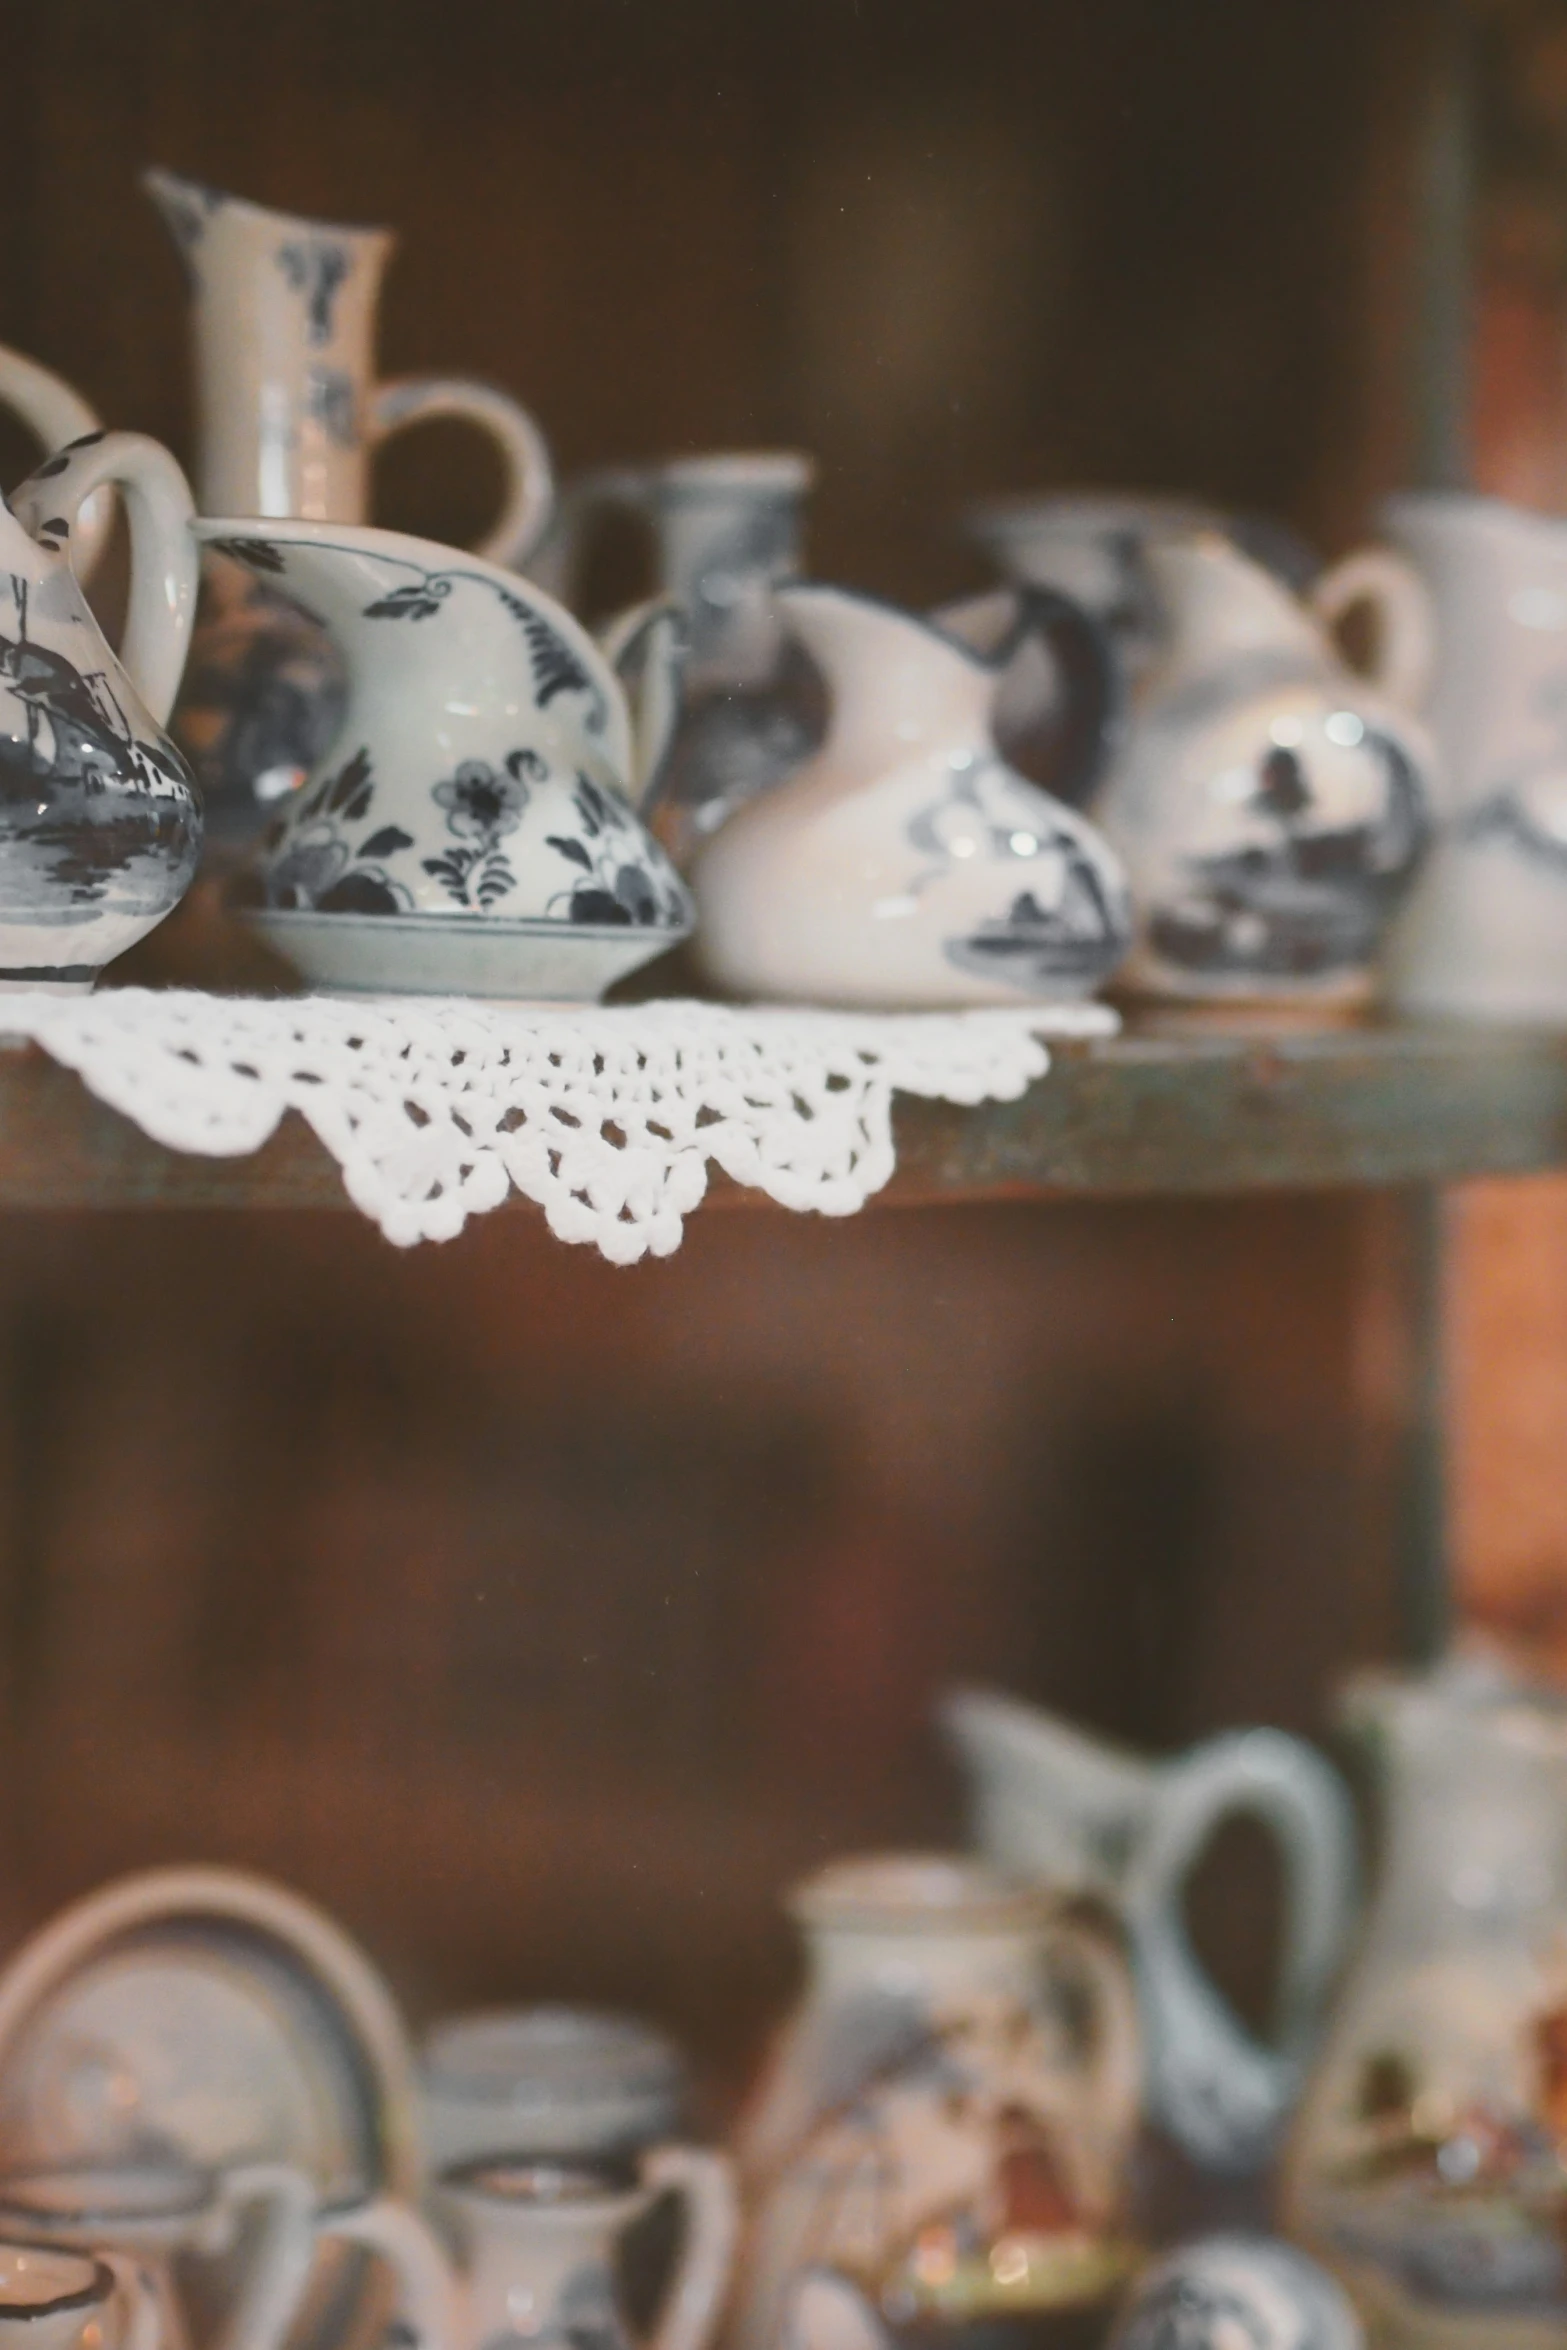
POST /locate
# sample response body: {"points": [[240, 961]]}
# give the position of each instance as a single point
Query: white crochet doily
{"points": [[606, 1116]]}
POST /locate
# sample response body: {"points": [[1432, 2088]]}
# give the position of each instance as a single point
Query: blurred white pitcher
{"points": [[1485, 932], [1084, 1816]]}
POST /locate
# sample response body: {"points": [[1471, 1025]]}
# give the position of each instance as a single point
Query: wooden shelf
{"points": [[1147, 1113]]}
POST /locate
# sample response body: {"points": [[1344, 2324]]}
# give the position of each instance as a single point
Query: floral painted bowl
{"points": [[472, 830]]}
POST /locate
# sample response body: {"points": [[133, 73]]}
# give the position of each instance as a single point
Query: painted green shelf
{"points": [[1148, 1113]]}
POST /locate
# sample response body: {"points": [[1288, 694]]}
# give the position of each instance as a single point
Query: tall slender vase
{"points": [[289, 413]]}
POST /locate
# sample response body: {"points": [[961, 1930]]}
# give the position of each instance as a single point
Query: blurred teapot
{"points": [[1082, 1816]]}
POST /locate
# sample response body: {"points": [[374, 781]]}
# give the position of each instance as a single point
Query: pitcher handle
{"points": [[646, 648], [143, 2303], [705, 2182], [278, 2271], [1404, 657], [1116, 2067], [426, 2288], [529, 496], [1091, 676], [1219, 2091], [57, 414], [162, 603]]}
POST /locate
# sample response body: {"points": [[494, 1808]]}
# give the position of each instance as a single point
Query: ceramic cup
{"points": [[53, 2299]]}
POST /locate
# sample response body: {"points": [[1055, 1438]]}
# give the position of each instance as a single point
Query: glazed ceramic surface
{"points": [[568, 2082], [100, 825], [726, 531], [534, 2250], [289, 412], [469, 830], [152, 2211], [1083, 1816], [1237, 2293], [205, 2019], [57, 415], [1271, 807], [56, 2300], [1429, 2163], [946, 2121], [1485, 936], [904, 863]]}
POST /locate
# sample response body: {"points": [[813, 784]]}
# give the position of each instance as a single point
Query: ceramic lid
{"points": [[547, 2057], [917, 1892]]}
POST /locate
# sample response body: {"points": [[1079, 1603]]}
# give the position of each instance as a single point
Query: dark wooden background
{"points": [[541, 1618]]}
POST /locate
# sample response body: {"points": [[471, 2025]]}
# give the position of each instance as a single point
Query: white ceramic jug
{"points": [[726, 532], [471, 828], [947, 2119], [529, 2249], [100, 825], [289, 412], [904, 863], [1270, 805], [1427, 2165], [1485, 934], [1087, 1817]]}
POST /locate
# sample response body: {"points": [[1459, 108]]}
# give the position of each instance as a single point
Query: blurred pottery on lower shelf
{"points": [[1236, 2292], [569, 2082]]}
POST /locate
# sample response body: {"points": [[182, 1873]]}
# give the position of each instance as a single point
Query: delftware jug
{"points": [[57, 2300], [530, 2250], [945, 2124], [57, 415], [726, 530], [1429, 2162], [289, 412], [1485, 934], [1083, 1816], [1270, 805], [471, 829], [100, 825], [903, 863]]}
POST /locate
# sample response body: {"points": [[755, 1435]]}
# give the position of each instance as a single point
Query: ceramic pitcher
{"points": [[1083, 1816], [1485, 936], [726, 531], [264, 2219], [471, 829], [530, 2251], [289, 413], [1270, 805], [1093, 546], [1429, 2161], [903, 863], [100, 825], [945, 2123], [52, 2299], [57, 415]]}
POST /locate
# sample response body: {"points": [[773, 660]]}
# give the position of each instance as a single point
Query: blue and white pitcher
{"points": [[1088, 1817]]}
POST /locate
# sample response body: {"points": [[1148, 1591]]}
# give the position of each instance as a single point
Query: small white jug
{"points": [[1083, 1816]]}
